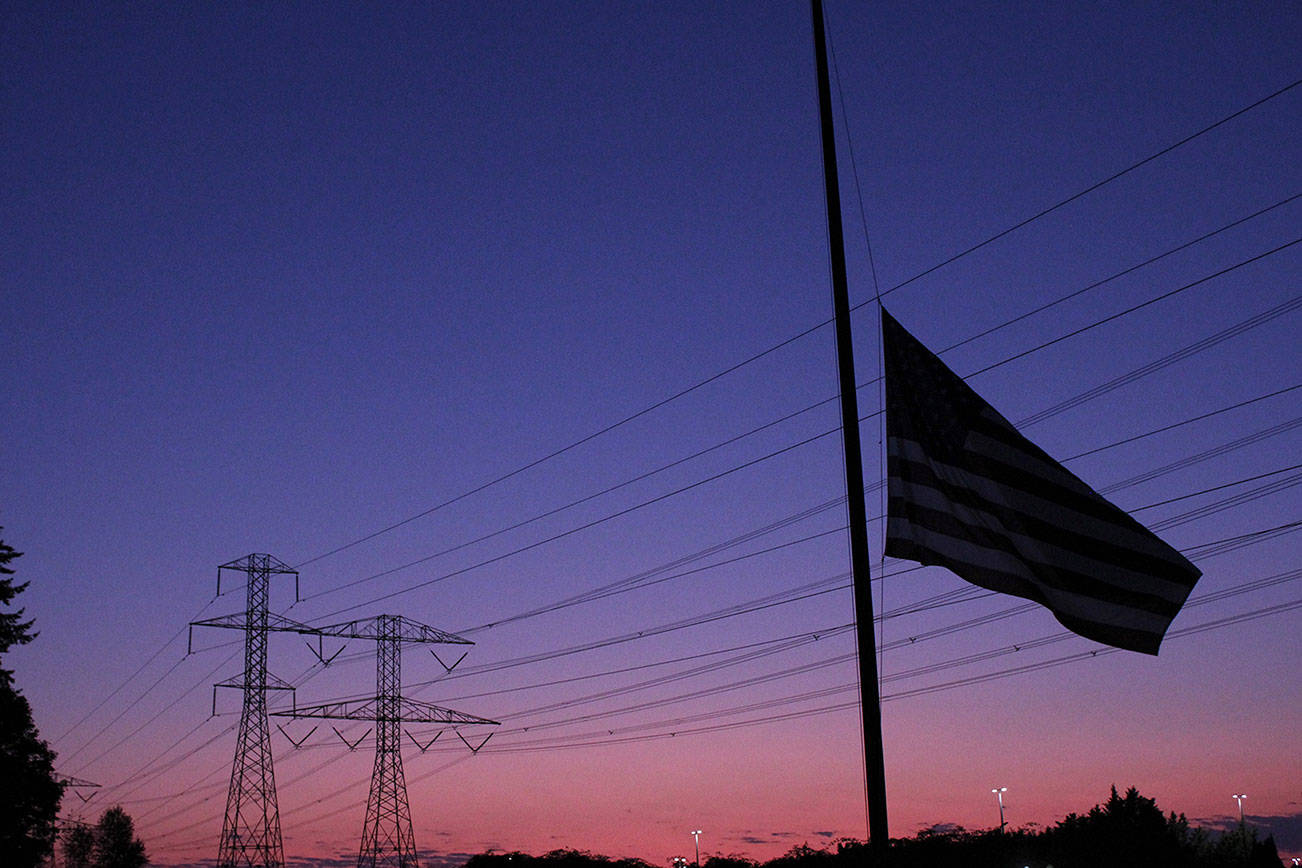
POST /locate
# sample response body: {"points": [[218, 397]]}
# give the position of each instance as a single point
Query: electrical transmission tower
{"points": [[387, 838], [76, 785], [251, 828], [63, 826]]}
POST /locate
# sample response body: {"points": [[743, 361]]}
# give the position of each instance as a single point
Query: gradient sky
{"points": [[278, 277]]}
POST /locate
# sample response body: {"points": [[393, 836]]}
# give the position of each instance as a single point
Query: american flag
{"points": [[968, 492]]}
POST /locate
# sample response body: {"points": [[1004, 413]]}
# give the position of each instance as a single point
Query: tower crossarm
{"points": [[70, 781], [397, 628], [410, 711], [275, 623], [65, 824], [240, 621], [263, 563], [415, 711], [348, 710], [273, 682]]}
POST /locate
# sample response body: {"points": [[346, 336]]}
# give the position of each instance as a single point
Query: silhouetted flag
{"points": [[970, 493]]}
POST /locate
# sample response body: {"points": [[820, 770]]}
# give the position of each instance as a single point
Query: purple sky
{"points": [[277, 278]]}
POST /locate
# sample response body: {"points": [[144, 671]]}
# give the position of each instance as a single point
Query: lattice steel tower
{"points": [[251, 828], [387, 838]]}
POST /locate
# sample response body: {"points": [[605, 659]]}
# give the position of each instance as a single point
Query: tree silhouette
{"points": [[13, 630], [1124, 831], [1241, 848], [116, 844], [29, 796], [732, 861], [78, 846]]}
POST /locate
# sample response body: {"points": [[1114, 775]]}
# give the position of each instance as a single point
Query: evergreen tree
{"points": [[1240, 848], [29, 798], [13, 629], [30, 794], [116, 844], [78, 846], [733, 861], [1123, 832]]}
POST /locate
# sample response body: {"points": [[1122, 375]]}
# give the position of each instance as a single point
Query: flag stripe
{"points": [[999, 454], [993, 482], [1073, 493], [1052, 567], [1007, 576], [1100, 630], [1041, 518]]}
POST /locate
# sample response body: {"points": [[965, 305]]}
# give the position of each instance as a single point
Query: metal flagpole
{"points": [[869, 698]]}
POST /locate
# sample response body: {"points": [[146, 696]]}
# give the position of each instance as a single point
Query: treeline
{"points": [[1126, 831], [30, 791]]}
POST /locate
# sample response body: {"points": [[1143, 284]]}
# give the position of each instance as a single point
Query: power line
{"points": [[1216, 488], [1203, 415], [141, 668], [1167, 360], [792, 596], [1246, 587], [138, 729], [1230, 502], [1107, 319], [1090, 189], [92, 739], [1116, 275], [1125, 379], [821, 507], [1175, 425], [623, 584], [1234, 331], [1097, 652], [1231, 543], [763, 353], [561, 742], [575, 444], [1255, 585], [981, 620], [1206, 454], [570, 532]]}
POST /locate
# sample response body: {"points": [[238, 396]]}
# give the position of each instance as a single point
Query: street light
{"points": [[696, 836], [1239, 797], [999, 794]]}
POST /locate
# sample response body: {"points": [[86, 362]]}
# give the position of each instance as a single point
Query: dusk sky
{"points": [[277, 278]]}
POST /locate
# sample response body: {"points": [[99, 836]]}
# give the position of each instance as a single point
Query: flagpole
{"points": [[869, 698]]}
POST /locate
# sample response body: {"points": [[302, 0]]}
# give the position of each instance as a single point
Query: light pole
{"points": [[696, 836], [999, 794], [1239, 797]]}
